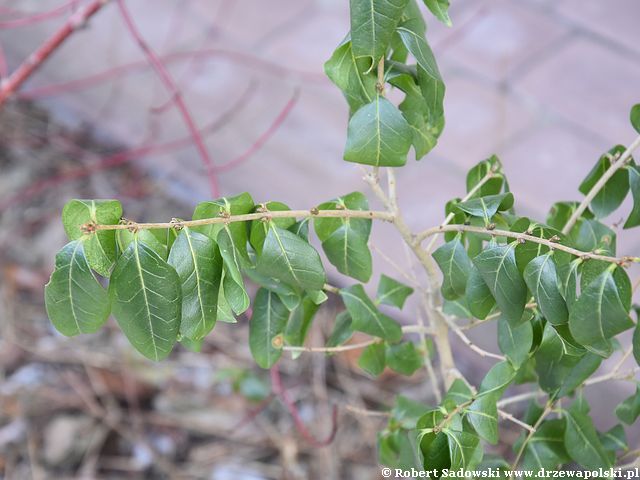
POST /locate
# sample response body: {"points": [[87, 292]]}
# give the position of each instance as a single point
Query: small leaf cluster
{"points": [[383, 34]]}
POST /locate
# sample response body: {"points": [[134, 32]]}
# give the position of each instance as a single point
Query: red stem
{"points": [[37, 58], [279, 390], [170, 85], [38, 17]]}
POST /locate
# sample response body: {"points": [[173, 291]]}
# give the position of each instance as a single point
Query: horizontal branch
{"points": [[266, 215], [523, 237]]}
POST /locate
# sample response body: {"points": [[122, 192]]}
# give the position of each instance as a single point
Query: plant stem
{"points": [[42, 53], [524, 237], [619, 163], [385, 216]]}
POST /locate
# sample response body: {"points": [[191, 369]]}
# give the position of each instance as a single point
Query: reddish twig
{"points": [[262, 139], [37, 58], [31, 19], [279, 390], [121, 70], [167, 81]]}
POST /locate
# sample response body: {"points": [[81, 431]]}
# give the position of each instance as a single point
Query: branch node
{"points": [[177, 224], [314, 211], [89, 228]]}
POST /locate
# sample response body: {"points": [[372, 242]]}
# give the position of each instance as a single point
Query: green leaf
{"points": [[366, 317], [146, 300], [325, 226], [154, 239], [434, 447], [614, 439], [373, 23], [259, 228], [634, 116], [601, 311], [403, 358], [561, 212], [419, 48], [75, 301], [613, 192], [299, 323], [372, 359], [342, 330], [99, 247], [545, 448], [266, 327], [290, 259], [392, 292], [486, 207], [239, 205], [497, 379], [552, 364], [586, 367], [591, 235], [629, 410], [515, 342], [198, 263], [498, 268], [440, 8], [479, 298], [634, 185], [582, 442], [378, 135], [479, 172], [232, 282], [542, 279], [483, 415], [350, 75], [636, 338], [465, 449], [348, 251], [455, 265]]}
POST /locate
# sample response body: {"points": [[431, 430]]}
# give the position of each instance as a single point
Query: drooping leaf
{"points": [[392, 292], [585, 367], [614, 439], [419, 48], [288, 294], [497, 266], [198, 263], [235, 293], [483, 415], [349, 252], [434, 446], [582, 442], [266, 328], [403, 358], [545, 449], [366, 317], [99, 247], [373, 23], [325, 226], [146, 300], [342, 330], [259, 228], [300, 321], [634, 185], [613, 192], [486, 207], [629, 410], [238, 205], [552, 364], [440, 8], [156, 240], [351, 75], [515, 342], [465, 450], [75, 301], [455, 265], [378, 135], [542, 279], [601, 311], [479, 298], [372, 359], [290, 259]]}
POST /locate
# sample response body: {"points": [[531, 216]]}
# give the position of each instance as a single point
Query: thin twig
{"points": [[617, 165], [511, 418], [468, 342], [547, 410], [524, 237]]}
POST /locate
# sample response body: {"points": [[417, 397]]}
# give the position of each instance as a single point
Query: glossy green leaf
{"points": [[235, 293], [373, 23], [497, 379], [146, 298], [238, 205], [434, 447], [486, 207], [156, 240], [629, 410], [325, 226], [590, 235], [266, 328], [299, 323], [479, 298], [440, 8], [586, 366], [542, 279], [366, 317], [419, 48], [634, 184], [99, 247], [75, 301], [259, 228], [497, 266], [613, 192], [378, 135], [198, 263], [351, 75], [545, 449], [515, 342], [348, 251], [614, 439], [601, 311], [483, 415], [465, 449], [582, 442], [552, 364], [290, 259], [479, 173], [403, 358], [372, 359], [342, 330], [392, 292], [634, 117], [455, 265]]}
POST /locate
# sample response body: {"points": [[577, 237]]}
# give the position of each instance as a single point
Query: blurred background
{"points": [[545, 84]]}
